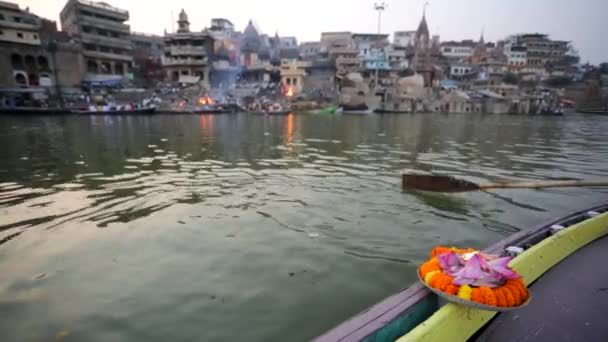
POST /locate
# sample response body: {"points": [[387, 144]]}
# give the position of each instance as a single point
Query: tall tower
{"points": [[422, 62], [184, 24]]}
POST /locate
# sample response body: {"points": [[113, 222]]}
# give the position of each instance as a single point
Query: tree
{"points": [[510, 78]]}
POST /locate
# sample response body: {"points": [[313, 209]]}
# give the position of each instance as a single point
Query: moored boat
{"points": [[137, 111], [33, 111], [556, 258]]}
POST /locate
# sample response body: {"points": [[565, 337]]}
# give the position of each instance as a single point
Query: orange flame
{"points": [[206, 100], [289, 92]]}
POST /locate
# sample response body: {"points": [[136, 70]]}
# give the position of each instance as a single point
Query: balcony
{"points": [[348, 61], [18, 26], [89, 38], [108, 56], [104, 24], [184, 62], [187, 50]]}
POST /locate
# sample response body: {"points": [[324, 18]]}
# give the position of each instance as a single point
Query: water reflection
{"points": [[267, 220]]}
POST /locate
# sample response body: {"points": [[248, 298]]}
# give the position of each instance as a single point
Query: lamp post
{"points": [[380, 7]]}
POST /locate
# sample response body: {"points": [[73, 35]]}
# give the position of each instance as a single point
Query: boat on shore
{"points": [[552, 258], [135, 111], [593, 111], [33, 111]]}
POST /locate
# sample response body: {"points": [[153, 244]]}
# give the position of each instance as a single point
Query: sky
{"points": [[582, 22]]}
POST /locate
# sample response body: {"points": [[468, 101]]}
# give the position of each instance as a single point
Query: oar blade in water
{"points": [[437, 183]]}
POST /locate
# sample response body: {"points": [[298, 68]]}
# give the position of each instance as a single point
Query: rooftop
{"points": [[370, 36], [102, 5], [9, 6]]}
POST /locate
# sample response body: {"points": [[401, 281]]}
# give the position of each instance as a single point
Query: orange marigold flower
{"points": [[501, 301], [488, 296], [440, 250], [520, 288], [430, 275], [442, 281], [509, 296], [429, 266], [476, 296], [452, 289], [434, 280]]}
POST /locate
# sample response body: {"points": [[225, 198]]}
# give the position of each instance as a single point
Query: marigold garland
{"points": [[465, 292], [513, 293], [501, 301], [429, 266]]}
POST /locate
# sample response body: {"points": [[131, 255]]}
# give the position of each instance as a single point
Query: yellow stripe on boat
{"points": [[458, 323]]}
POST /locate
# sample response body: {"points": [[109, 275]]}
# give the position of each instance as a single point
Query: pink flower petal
{"points": [[500, 266], [450, 263]]}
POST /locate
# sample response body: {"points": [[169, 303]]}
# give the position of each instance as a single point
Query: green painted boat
{"points": [[563, 264]]}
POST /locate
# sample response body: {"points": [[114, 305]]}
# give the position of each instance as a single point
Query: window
{"points": [[20, 35], [1, 33], [288, 81], [35, 36], [1, 16], [295, 82], [17, 19]]}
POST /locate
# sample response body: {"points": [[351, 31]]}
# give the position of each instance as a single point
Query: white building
{"points": [[517, 56], [402, 39], [397, 59], [458, 50], [221, 24], [460, 70]]}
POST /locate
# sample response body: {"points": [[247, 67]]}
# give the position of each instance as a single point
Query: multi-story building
{"points": [[24, 61], [292, 74], [104, 34], [397, 59], [148, 50], [332, 40], [288, 43], [309, 50], [458, 50], [370, 44], [372, 52], [187, 54], [540, 49], [403, 39], [517, 57], [225, 26], [346, 59], [460, 71]]}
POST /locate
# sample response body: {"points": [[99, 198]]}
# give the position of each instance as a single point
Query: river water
{"points": [[219, 228]]}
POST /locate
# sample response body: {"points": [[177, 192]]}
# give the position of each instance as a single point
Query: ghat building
{"points": [[187, 54], [105, 37], [24, 61], [34, 54]]}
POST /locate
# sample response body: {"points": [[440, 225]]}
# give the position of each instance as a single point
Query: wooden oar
{"points": [[438, 183]]}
